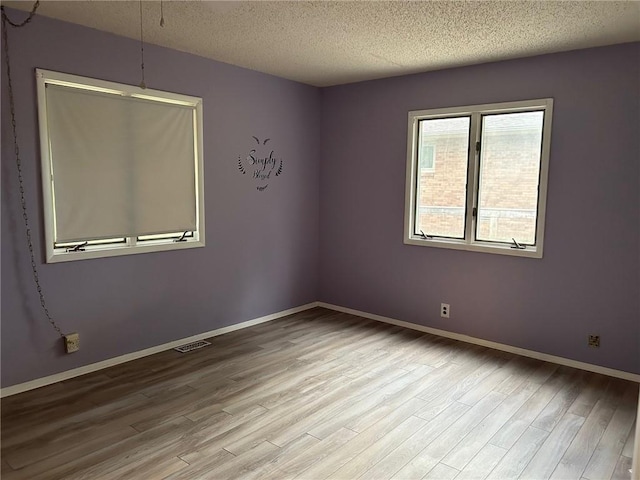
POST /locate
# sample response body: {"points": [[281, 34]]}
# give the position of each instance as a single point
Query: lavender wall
{"points": [[339, 204], [588, 280], [262, 247]]}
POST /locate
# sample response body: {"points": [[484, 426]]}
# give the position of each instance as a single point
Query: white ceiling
{"points": [[326, 43]]}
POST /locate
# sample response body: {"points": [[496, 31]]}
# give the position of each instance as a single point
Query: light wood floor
{"points": [[322, 395]]}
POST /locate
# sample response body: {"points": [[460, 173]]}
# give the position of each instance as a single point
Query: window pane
{"points": [[509, 177], [441, 186], [103, 241], [165, 236]]}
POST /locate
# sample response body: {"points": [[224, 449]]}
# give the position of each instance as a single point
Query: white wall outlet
{"points": [[72, 342], [444, 310]]}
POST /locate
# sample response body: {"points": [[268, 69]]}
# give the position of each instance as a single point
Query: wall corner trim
{"points": [[93, 367], [487, 343]]}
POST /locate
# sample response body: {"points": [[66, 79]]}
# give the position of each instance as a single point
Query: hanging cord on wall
{"points": [[142, 84], [161, 14], [6, 21]]}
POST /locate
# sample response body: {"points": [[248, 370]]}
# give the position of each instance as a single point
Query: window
{"points": [[477, 177], [122, 168], [426, 157]]}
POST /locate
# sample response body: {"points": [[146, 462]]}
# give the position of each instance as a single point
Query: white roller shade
{"points": [[122, 166]]}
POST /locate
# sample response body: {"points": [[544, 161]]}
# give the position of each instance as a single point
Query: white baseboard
{"points": [[486, 343], [58, 377]]}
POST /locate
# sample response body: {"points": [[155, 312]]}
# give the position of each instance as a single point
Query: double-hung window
{"points": [[122, 168], [477, 177]]}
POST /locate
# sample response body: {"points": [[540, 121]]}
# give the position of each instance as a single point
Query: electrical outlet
{"points": [[444, 310], [594, 340], [72, 342]]}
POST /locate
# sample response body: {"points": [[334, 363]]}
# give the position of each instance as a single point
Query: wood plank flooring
{"points": [[324, 395]]}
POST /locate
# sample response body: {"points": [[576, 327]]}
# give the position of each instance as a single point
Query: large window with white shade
{"points": [[477, 177], [122, 168]]}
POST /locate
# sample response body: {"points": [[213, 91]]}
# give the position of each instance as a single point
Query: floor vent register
{"points": [[192, 346]]}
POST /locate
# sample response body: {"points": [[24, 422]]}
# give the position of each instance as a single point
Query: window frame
{"points": [[131, 245], [475, 112]]}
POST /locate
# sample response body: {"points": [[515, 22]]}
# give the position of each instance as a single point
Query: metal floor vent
{"points": [[192, 346]]}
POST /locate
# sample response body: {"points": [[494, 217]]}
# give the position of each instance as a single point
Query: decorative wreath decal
{"points": [[261, 162]]}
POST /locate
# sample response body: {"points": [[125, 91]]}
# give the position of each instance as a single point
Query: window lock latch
{"points": [[517, 246], [182, 237], [78, 248], [424, 235]]}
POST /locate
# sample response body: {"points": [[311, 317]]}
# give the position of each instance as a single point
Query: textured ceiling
{"points": [[334, 42]]}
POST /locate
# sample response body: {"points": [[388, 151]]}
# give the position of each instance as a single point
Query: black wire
{"points": [[23, 202], [142, 84], [6, 19]]}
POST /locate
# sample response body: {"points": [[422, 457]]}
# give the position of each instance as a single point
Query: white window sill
{"points": [[483, 247], [101, 251]]}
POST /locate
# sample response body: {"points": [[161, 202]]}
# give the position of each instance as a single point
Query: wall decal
{"points": [[262, 163]]}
